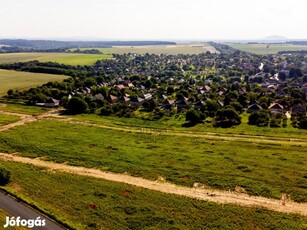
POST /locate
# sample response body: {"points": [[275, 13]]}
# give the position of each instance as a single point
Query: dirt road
{"points": [[217, 196]]}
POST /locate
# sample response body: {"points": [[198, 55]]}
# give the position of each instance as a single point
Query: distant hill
{"points": [[49, 44], [276, 38]]}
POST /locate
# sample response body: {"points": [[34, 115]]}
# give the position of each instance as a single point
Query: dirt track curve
{"points": [[217, 196]]}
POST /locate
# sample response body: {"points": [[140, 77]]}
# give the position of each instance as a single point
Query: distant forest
{"points": [[51, 45]]}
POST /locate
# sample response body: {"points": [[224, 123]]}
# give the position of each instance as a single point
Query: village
{"points": [[170, 84]]}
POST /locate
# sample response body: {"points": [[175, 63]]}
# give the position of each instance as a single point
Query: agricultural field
{"points": [[262, 168], [183, 48], [262, 48], [110, 205], [23, 80], [62, 58]]}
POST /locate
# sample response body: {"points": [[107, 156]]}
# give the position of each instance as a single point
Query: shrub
{"points": [[5, 177], [77, 105]]}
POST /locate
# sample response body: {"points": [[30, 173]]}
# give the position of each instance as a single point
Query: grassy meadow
{"points": [[262, 48], [109, 205], [175, 123], [23, 80], [62, 58], [266, 169], [23, 109], [7, 119], [183, 48]]}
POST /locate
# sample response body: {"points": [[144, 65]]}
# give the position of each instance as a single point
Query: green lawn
{"points": [[87, 203], [262, 169], [23, 80], [63, 58], [184, 48], [262, 48]]}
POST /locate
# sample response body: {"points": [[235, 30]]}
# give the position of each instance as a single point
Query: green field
{"points": [[23, 80], [23, 109], [175, 123], [265, 169], [184, 48], [7, 119], [62, 58], [109, 205], [262, 48]]}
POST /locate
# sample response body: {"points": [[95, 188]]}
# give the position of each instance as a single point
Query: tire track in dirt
{"points": [[217, 196]]}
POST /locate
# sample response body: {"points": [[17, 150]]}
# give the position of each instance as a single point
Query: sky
{"points": [[153, 20]]}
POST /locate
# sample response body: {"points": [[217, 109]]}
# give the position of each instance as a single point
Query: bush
{"points": [[227, 117], [77, 105], [194, 116], [261, 118], [302, 124], [5, 177]]}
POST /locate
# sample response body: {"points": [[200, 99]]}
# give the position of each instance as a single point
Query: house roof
{"points": [[276, 106]]}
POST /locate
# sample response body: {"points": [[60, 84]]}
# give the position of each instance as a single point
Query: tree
{"points": [[10, 92], [303, 123], [77, 105], [237, 106], [260, 118], [194, 116], [227, 117], [5, 177], [211, 107]]}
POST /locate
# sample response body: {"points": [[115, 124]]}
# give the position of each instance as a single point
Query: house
{"points": [[120, 87], [112, 99], [254, 108], [168, 104], [147, 96], [129, 85], [285, 104], [123, 99], [206, 89], [220, 103], [51, 102], [183, 104], [137, 101], [98, 97], [298, 108], [198, 105], [276, 108]]}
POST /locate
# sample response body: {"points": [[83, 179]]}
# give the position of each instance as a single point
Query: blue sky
{"points": [[159, 19]]}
